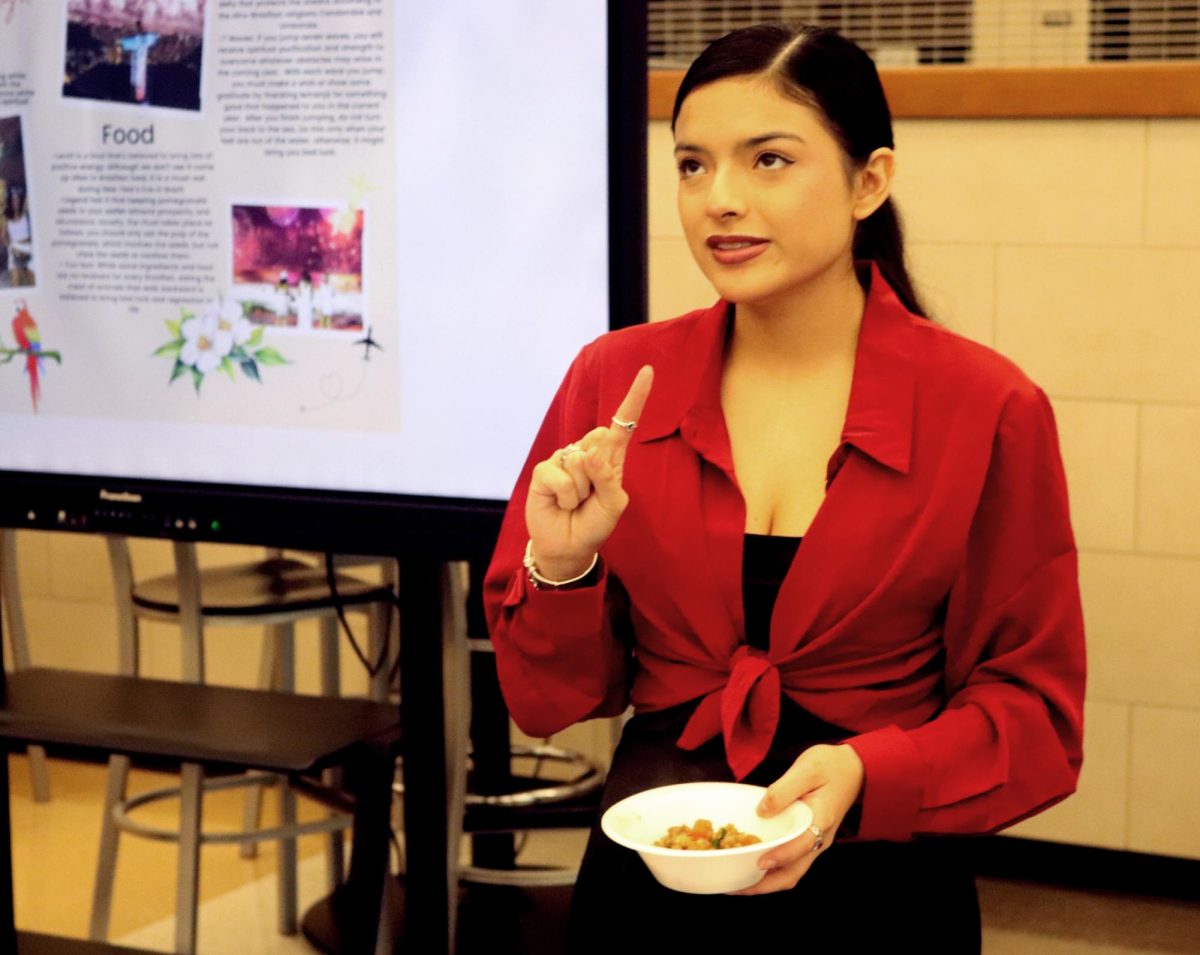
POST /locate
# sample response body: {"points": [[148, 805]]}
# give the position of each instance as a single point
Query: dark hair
{"points": [[821, 68], [13, 204]]}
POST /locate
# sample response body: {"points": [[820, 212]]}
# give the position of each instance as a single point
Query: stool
{"points": [[275, 592], [15, 625], [506, 794], [82, 714], [493, 801]]}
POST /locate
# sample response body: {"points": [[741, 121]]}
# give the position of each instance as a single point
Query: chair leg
{"points": [[335, 842], [285, 657], [377, 642], [191, 626], [252, 806], [331, 685], [277, 671], [285, 662], [187, 883], [266, 660], [456, 673], [106, 864], [128, 641], [191, 614], [385, 938], [10, 597], [331, 674], [287, 861], [128, 653], [39, 773]]}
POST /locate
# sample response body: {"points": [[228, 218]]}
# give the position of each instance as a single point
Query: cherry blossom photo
{"points": [[299, 267]]}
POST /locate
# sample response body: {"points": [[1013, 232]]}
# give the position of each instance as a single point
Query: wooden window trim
{"points": [[1098, 90]]}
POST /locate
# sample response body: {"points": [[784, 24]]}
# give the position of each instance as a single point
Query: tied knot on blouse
{"points": [[745, 711]]}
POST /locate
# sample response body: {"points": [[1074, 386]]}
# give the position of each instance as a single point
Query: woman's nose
{"points": [[725, 197]]}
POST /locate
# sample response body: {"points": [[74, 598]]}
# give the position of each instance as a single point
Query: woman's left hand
{"points": [[829, 779]]}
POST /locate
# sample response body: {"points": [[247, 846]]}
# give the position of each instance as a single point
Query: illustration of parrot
{"points": [[29, 339]]}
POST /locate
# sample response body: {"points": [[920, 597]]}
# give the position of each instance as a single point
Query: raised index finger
{"points": [[631, 406]]}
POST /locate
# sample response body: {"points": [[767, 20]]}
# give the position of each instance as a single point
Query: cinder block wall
{"points": [[1073, 246], [67, 597]]}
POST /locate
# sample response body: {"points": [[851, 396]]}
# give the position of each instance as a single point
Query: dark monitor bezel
{"points": [[351, 522]]}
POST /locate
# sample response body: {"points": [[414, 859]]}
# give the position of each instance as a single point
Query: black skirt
{"points": [[862, 897]]}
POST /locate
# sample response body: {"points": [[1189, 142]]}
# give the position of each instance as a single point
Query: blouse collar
{"points": [[879, 417]]}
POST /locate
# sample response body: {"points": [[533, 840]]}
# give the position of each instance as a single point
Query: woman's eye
{"points": [[689, 167], [772, 161]]}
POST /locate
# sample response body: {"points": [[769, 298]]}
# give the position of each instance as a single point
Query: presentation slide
{"points": [[347, 245]]}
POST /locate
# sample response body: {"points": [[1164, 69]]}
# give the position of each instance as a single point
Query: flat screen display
{"points": [[346, 247]]}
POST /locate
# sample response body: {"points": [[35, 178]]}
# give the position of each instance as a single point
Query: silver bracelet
{"points": [[544, 583]]}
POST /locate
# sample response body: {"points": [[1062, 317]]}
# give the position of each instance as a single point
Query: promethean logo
{"points": [[120, 497]]}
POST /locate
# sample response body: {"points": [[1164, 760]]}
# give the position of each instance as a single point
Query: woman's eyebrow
{"points": [[767, 137], [751, 143]]}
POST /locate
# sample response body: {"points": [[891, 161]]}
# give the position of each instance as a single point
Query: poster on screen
{"points": [[292, 243]]}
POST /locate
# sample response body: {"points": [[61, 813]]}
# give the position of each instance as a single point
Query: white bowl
{"points": [[638, 820]]}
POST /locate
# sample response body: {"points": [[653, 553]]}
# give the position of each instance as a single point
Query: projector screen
{"points": [[346, 246]]}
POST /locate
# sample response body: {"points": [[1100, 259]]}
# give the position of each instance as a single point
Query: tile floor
{"points": [[54, 848]]}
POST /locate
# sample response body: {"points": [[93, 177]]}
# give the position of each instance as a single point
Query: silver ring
{"points": [[819, 835], [571, 448], [627, 425]]}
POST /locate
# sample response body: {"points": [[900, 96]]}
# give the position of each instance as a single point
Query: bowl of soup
{"points": [[668, 827]]}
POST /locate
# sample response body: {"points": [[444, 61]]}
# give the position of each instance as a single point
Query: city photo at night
{"points": [[142, 52]]}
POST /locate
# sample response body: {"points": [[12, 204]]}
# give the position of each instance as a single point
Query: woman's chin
{"points": [[738, 292]]}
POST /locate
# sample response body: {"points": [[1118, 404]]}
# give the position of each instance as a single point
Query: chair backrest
{"points": [[187, 572]]}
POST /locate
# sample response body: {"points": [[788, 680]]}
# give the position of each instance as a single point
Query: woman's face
{"points": [[765, 198]]}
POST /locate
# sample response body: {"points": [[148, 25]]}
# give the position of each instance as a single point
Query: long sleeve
{"points": [[558, 658], [1009, 740]]}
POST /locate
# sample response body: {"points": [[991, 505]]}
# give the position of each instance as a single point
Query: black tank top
{"points": [[765, 562]]}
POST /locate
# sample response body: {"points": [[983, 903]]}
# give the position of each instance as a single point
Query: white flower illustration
{"points": [[233, 321], [219, 338], [205, 342]]}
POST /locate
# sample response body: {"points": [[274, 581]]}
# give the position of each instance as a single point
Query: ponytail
{"points": [[880, 239]]}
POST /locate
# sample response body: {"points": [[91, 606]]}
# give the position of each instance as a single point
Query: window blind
{"points": [[978, 32]]}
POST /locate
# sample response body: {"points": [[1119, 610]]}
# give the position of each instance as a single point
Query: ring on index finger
{"points": [[819, 835], [571, 448], [627, 425]]}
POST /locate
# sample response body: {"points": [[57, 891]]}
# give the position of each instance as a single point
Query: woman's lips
{"points": [[733, 249]]}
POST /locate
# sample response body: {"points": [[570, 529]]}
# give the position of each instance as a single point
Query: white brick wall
{"points": [[1074, 247]]}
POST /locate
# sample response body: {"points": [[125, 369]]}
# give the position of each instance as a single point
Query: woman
{"points": [[3, 226], [18, 236], [834, 558]]}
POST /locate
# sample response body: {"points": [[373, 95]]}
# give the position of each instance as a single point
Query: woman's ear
{"points": [[873, 182]]}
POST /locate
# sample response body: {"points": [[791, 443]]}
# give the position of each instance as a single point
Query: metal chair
{"points": [[10, 588], [501, 795], [85, 714], [275, 592], [499, 789]]}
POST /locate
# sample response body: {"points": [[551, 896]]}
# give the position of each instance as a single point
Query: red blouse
{"points": [[933, 608]]}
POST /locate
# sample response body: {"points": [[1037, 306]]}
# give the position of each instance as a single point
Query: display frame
{"points": [[397, 525]]}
